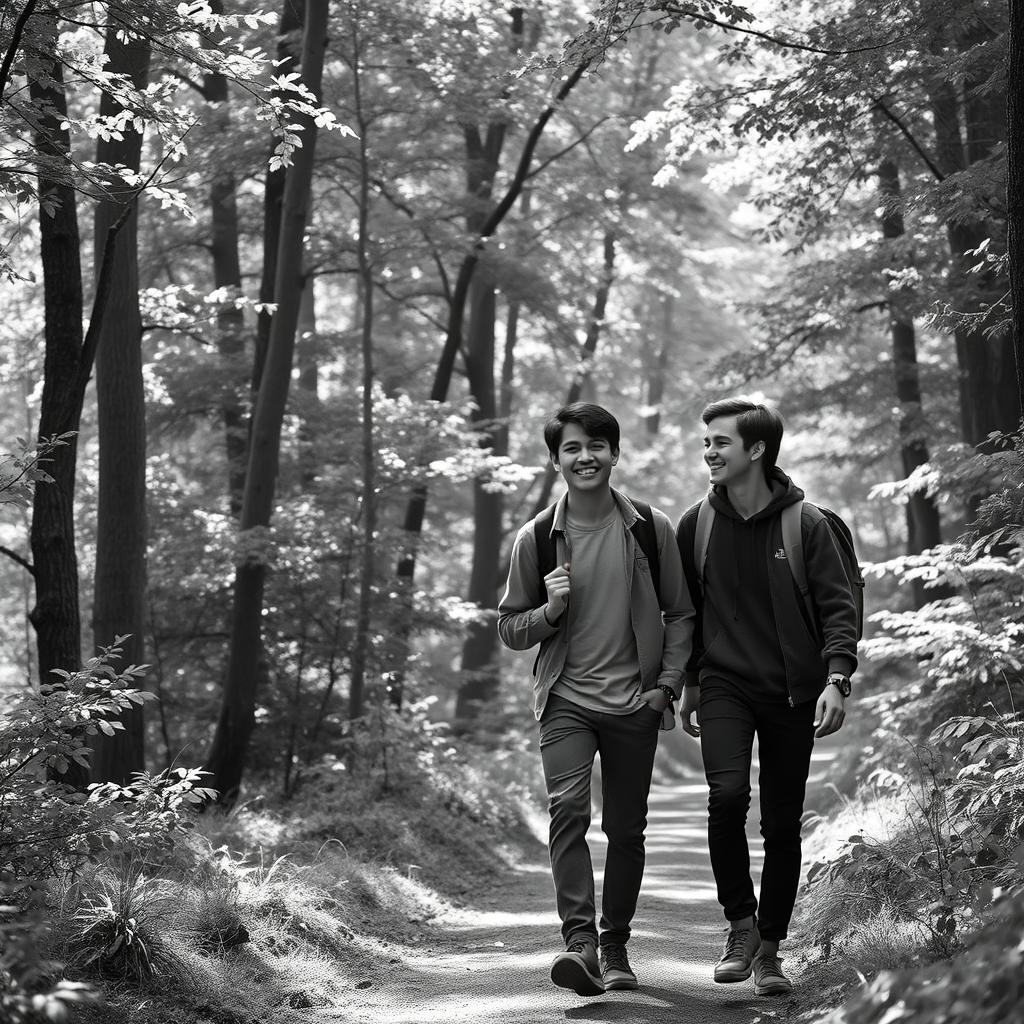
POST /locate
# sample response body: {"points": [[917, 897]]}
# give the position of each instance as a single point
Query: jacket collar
{"points": [[625, 507]]}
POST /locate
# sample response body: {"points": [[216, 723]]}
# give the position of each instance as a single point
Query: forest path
{"points": [[488, 962]]}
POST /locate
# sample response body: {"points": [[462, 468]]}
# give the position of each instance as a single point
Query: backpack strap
{"points": [[646, 536], [643, 530], [702, 538], [793, 542], [545, 542]]}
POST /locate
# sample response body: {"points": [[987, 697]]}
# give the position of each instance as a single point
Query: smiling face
{"points": [[726, 458], [584, 461]]}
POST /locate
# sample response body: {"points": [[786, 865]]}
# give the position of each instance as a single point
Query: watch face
{"points": [[841, 683]]}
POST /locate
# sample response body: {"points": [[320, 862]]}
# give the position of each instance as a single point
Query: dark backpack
{"points": [[642, 529], [792, 541]]}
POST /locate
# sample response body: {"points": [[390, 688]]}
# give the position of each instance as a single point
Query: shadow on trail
{"points": [[490, 962]]}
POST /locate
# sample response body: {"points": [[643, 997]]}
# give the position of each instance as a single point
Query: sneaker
{"points": [[740, 946], [578, 968], [768, 977], [615, 967]]}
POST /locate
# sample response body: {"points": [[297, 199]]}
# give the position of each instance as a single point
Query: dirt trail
{"points": [[489, 962]]}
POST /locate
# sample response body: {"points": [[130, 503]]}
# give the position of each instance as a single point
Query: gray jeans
{"points": [[570, 737]]}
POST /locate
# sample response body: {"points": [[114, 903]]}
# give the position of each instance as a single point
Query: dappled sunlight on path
{"points": [[489, 962]]}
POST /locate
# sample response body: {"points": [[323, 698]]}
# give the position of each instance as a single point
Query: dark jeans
{"points": [[570, 736], [729, 719]]}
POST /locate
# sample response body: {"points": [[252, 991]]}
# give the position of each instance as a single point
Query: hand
{"points": [[557, 585], [830, 712], [690, 706], [656, 698]]}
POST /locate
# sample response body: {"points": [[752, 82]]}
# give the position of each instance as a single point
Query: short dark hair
{"points": [[754, 422], [593, 420]]}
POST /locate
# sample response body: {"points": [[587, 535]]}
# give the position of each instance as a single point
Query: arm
{"points": [[685, 533], [837, 616], [677, 608], [521, 620]]}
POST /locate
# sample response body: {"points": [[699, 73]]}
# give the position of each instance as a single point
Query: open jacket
{"points": [[663, 631], [810, 650]]}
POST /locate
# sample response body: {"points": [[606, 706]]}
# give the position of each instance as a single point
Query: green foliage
{"points": [[47, 829], [984, 985], [945, 773], [28, 992], [22, 470], [119, 919], [51, 834]]}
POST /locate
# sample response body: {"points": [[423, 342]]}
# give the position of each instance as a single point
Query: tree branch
{"points": [[566, 149], [914, 144], [787, 44], [12, 49], [23, 562]]}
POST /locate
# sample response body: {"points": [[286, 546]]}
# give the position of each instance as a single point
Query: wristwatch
{"points": [[669, 692], [840, 682]]}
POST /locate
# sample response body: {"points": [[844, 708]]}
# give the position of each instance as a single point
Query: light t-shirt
{"points": [[602, 669]]}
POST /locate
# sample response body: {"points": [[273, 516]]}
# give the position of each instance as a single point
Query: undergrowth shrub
{"points": [[401, 777], [117, 921], [81, 857], [983, 985], [944, 775], [31, 989]]}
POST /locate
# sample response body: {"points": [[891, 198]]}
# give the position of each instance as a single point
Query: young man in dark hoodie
{"points": [[760, 667]]}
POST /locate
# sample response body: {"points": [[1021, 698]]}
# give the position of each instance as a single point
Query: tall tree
{"points": [[1015, 181], [67, 366], [368, 451], [483, 156], [227, 278], [119, 602], [227, 756], [415, 512], [924, 528], [966, 132]]}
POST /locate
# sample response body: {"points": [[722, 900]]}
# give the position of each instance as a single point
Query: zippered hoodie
{"points": [[753, 625]]}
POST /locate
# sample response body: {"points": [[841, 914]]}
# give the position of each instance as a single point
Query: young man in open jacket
{"points": [[760, 667], [612, 651]]}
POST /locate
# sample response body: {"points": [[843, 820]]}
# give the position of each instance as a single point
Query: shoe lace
{"points": [[615, 957], [736, 943], [578, 946], [770, 966]]}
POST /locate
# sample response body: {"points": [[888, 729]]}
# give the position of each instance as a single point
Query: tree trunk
{"points": [[307, 381], [923, 523], [56, 615], [289, 30], [228, 751], [479, 649], [120, 580], [659, 370], [227, 275], [478, 652], [416, 508], [367, 566], [1015, 181], [988, 388]]}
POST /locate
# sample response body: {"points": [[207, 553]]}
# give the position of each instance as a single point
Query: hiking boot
{"points": [[615, 967], [740, 946], [578, 968], [768, 977]]}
